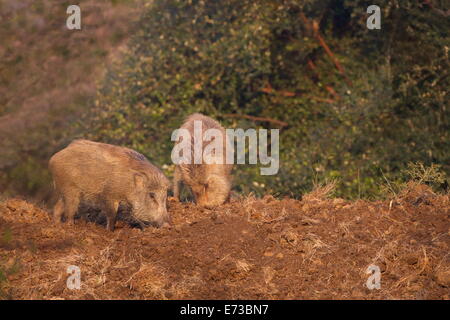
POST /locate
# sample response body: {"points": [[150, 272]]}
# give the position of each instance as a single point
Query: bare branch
{"points": [[314, 26], [253, 118]]}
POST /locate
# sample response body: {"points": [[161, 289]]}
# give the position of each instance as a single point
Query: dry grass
{"points": [[249, 249], [321, 191]]}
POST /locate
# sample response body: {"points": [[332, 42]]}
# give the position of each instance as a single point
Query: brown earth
{"points": [[248, 249]]}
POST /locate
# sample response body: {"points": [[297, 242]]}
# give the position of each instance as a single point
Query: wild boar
{"points": [[209, 182], [105, 175]]}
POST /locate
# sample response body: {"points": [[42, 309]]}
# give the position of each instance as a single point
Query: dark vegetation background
{"points": [[354, 105]]}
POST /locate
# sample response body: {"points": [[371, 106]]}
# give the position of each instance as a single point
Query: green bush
{"points": [[387, 108]]}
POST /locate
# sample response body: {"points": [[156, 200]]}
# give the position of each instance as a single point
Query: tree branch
{"points": [[268, 89], [329, 88], [438, 11], [314, 26], [253, 118]]}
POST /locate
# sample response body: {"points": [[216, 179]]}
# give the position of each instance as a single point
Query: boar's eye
{"points": [[152, 195]]}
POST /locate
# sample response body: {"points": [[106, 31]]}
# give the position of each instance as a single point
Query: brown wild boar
{"points": [[105, 175], [209, 183]]}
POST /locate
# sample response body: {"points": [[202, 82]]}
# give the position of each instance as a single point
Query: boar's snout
{"points": [[150, 207], [164, 221], [156, 218]]}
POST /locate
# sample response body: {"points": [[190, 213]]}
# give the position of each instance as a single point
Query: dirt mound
{"points": [[247, 249]]}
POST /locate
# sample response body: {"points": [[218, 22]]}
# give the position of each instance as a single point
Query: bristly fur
{"points": [[210, 183], [105, 175]]}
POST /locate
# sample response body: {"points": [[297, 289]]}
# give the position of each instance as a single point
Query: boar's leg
{"points": [[71, 207], [58, 210], [111, 214], [177, 183]]}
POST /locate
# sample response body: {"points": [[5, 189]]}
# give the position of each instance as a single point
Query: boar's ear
{"points": [[140, 180]]}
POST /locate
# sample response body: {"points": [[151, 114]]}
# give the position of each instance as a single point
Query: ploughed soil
{"points": [[250, 248]]}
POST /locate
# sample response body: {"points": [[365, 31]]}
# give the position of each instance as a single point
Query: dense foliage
{"points": [[352, 104], [48, 79], [359, 104]]}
